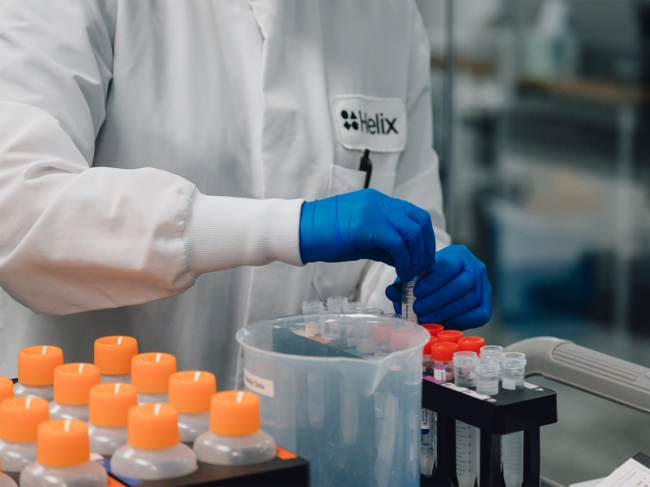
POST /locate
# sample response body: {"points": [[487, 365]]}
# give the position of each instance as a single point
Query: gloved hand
{"points": [[368, 224], [454, 292]]}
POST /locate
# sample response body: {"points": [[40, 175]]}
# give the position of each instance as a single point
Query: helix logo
{"points": [[377, 125]]}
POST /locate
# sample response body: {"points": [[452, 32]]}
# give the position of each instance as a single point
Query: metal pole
{"points": [[447, 114]]}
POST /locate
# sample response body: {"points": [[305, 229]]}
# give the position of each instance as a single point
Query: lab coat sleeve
{"points": [[75, 237], [417, 179]]}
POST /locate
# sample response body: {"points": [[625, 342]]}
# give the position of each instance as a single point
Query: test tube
{"points": [[442, 354], [495, 352], [407, 301], [467, 437], [514, 365], [487, 377]]}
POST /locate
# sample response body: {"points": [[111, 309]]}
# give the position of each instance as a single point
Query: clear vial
{"points": [[235, 437], [380, 334], [364, 342], [494, 352], [313, 327], [113, 356], [108, 414], [153, 451], [63, 457], [6, 481], [19, 420], [36, 371], [514, 371], [487, 378], [190, 393], [336, 304], [466, 454], [150, 374], [464, 365], [513, 459], [72, 383]]}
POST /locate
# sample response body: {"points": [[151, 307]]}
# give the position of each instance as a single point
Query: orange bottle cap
{"points": [[470, 344], [150, 371], [449, 336], [72, 382], [6, 388], [36, 364], [190, 391], [427, 349], [20, 417], [443, 351], [234, 413], [113, 354], [153, 426], [110, 403], [433, 329], [403, 338], [62, 443]]}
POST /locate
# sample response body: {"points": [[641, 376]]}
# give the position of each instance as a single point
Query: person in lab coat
{"points": [[175, 170]]}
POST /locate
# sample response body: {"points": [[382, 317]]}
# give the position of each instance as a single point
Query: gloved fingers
{"points": [[394, 292], [462, 305], [456, 288], [447, 266], [411, 233], [392, 242], [423, 218]]}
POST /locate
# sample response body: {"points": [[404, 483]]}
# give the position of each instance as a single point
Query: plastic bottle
{"points": [[72, 383], [6, 389], [190, 393], [36, 371], [380, 334], [451, 336], [108, 413], [19, 420], [150, 374], [5, 480], [153, 451], [235, 437], [442, 355], [63, 458], [470, 344], [513, 372], [113, 356], [464, 368]]}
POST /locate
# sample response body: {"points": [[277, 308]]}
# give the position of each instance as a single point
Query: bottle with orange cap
{"points": [[150, 374], [19, 420], [442, 354], [5, 480], [63, 458], [6, 388], [113, 355], [72, 383], [36, 371], [153, 450], [190, 393], [380, 335], [108, 412], [235, 437]]}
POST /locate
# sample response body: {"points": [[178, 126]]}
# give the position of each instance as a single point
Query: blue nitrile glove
{"points": [[368, 224], [454, 292]]}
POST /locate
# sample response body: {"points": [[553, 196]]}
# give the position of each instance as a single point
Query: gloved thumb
{"points": [[394, 292]]}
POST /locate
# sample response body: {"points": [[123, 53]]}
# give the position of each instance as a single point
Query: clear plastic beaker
{"points": [[370, 427]]}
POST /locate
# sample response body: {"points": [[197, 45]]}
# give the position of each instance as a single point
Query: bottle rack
{"points": [[507, 412]]}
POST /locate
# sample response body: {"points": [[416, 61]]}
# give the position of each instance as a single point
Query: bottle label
{"points": [[426, 421], [439, 371], [257, 384]]}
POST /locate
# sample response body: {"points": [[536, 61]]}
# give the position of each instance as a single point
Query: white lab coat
{"points": [[117, 117]]}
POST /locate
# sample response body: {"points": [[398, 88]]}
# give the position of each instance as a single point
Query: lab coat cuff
{"points": [[223, 233]]}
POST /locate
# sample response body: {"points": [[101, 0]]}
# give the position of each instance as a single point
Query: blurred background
{"points": [[542, 119]]}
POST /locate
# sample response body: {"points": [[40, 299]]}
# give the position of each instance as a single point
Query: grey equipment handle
{"points": [[591, 371]]}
